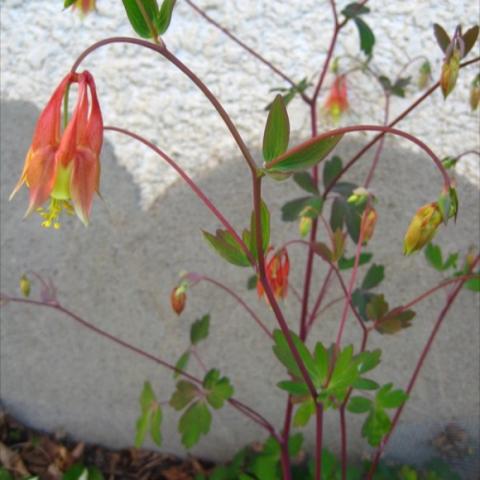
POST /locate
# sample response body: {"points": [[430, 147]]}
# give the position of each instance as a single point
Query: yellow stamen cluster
{"points": [[51, 215]]}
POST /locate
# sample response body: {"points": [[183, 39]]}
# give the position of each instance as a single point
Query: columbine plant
{"points": [[62, 167]]}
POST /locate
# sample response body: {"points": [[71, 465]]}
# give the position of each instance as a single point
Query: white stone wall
{"points": [[140, 91]]}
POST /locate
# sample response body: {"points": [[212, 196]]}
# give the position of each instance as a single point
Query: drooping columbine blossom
{"points": [[337, 100], [84, 6], [422, 228], [63, 165], [277, 269]]}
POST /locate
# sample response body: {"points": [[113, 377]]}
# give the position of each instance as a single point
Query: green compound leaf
{"points": [[293, 209], [433, 254], [185, 392], [346, 263], [139, 23], [194, 423], [199, 329], [294, 388], [182, 363], [218, 390], [388, 398], [227, 247], [164, 16], [367, 38], [277, 130], [359, 405], [374, 277], [376, 426], [303, 156], [396, 320], [305, 181], [331, 169], [156, 417]]}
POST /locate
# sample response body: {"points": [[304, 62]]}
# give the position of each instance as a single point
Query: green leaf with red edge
{"points": [[303, 156], [443, 39], [376, 308], [469, 38], [164, 16], [277, 130], [227, 247], [185, 392], [137, 19]]}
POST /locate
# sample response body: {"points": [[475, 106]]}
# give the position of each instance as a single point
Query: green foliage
{"points": [[277, 130], [249, 236], [66, 4], [142, 25], [199, 329], [355, 9], [182, 363], [80, 472], [5, 474], [367, 37], [388, 321], [194, 423], [442, 37], [293, 209], [473, 284], [150, 418], [345, 213], [377, 423], [196, 418], [252, 282], [303, 156], [346, 263], [164, 16], [290, 93], [397, 88], [331, 170], [227, 247], [374, 277], [434, 256], [305, 181]]}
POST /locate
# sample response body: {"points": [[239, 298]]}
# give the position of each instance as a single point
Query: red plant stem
{"points": [[194, 187], [250, 50], [370, 128], [318, 302], [246, 410], [418, 367], [381, 144], [399, 118], [197, 357], [257, 197], [348, 299], [285, 460], [286, 469], [428, 293], [319, 440], [239, 300], [162, 50]]}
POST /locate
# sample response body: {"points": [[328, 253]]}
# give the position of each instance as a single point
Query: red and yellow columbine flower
{"points": [[84, 6], [422, 228], [64, 166], [277, 269], [337, 100]]}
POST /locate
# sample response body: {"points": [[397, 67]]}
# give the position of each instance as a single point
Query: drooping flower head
{"points": [[63, 164], [277, 269], [337, 100], [84, 6], [422, 228]]}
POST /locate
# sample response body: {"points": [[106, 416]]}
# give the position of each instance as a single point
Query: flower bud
{"points": [[358, 196], [25, 286], [475, 93], [277, 270], [305, 226], [425, 75], [178, 298], [449, 75], [369, 219], [422, 228]]}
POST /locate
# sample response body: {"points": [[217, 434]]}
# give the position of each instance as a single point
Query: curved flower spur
{"points": [[63, 164]]}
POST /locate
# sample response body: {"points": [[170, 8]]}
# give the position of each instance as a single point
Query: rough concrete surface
{"points": [[118, 274], [293, 34]]}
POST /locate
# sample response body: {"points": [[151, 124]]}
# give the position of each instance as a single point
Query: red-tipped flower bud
{"points": [[178, 299]]}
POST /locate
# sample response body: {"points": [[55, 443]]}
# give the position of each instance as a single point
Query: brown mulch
{"points": [[25, 452]]}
